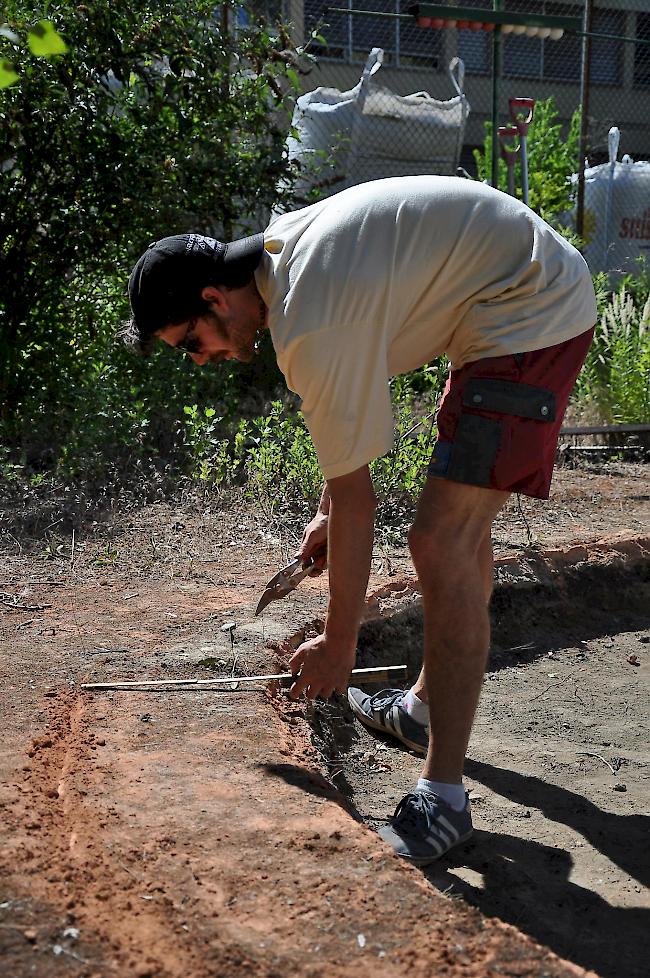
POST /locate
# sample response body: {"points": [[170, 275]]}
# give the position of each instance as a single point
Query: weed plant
{"points": [[274, 458], [614, 385]]}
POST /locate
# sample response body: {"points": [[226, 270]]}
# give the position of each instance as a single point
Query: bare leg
{"points": [[486, 567], [450, 544]]}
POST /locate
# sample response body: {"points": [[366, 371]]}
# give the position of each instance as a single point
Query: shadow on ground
{"points": [[568, 918], [616, 597], [581, 890]]}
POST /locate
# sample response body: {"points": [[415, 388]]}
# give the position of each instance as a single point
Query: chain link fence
{"points": [[389, 97]]}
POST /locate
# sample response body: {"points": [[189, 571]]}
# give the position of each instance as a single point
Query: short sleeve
{"points": [[341, 375]]}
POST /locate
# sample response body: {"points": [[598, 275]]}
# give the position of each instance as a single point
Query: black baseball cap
{"points": [[166, 283]]}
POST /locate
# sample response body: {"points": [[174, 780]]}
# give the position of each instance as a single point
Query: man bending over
{"points": [[372, 282]]}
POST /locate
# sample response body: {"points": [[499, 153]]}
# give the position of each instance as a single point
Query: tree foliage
{"points": [[160, 118], [43, 41]]}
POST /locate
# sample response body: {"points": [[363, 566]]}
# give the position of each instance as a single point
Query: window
{"points": [[266, 11], [418, 45], [522, 56], [642, 52], [561, 61], [606, 63], [563, 58], [475, 47], [350, 37], [371, 32]]}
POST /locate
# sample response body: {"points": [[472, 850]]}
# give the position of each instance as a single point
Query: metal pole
{"points": [[375, 674], [496, 79], [350, 29], [585, 85]]}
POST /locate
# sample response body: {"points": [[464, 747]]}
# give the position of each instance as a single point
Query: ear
{"points": [[217, 296]]}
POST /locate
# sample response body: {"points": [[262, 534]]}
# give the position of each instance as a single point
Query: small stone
{"points": [[30, 934], [229, 626], [101, 742], [361, 940], [633, 660], [620, 787]]}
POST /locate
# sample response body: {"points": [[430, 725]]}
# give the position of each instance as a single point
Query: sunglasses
{"points": [[189, 343]]}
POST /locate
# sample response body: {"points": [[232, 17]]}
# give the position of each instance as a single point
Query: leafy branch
{"points": [[43, 41]]}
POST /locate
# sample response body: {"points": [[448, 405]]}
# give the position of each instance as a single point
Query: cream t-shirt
{"points": [[386, 276]]}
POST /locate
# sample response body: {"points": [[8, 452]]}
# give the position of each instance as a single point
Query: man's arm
{"points": [[324, 505], [314, 539], [325, 662]]}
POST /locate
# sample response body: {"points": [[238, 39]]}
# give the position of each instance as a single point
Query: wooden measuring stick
{"points": [[374, 675]]}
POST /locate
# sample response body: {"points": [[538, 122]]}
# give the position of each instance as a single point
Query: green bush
{"points": [[274, 457], [278, 458], [43, 41], [129, 421], [615, 381], [160, 118], [552, 159]]}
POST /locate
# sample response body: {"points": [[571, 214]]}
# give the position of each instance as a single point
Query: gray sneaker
{"points": [[424, 827], [384, 711]]}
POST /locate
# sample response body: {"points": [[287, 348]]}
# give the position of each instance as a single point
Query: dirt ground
{"points": [[199, 833]]}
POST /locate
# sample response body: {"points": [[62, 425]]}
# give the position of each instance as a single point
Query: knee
{"points": [[439, 553], [420, 542], [429, 546]]}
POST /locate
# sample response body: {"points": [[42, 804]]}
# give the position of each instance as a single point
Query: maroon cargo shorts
{"points": [[499, 418]]}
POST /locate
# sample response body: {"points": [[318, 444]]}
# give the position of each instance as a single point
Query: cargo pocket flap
{"points": [[509, 397]]}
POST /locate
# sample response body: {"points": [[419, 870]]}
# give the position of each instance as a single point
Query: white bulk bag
{"points": [[345, 138], [617, 212]]}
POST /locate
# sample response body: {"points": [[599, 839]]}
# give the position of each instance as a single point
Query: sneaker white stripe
{"points": [[382, 719], [446, 838], [439, 846], [394, 715], [445, 824]]}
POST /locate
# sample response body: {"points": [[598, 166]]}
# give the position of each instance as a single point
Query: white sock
{"points": [[416, 708], [453, 794]]}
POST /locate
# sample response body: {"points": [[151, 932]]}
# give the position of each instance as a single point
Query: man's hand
{"points": [[325, 663], [323, 669], [314, 543]]}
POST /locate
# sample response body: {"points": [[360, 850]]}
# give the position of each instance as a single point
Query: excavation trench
{"points": [[558, 762]]}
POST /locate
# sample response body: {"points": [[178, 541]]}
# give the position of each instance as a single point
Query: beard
{"points": [[242, 339], [244, 335]]}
